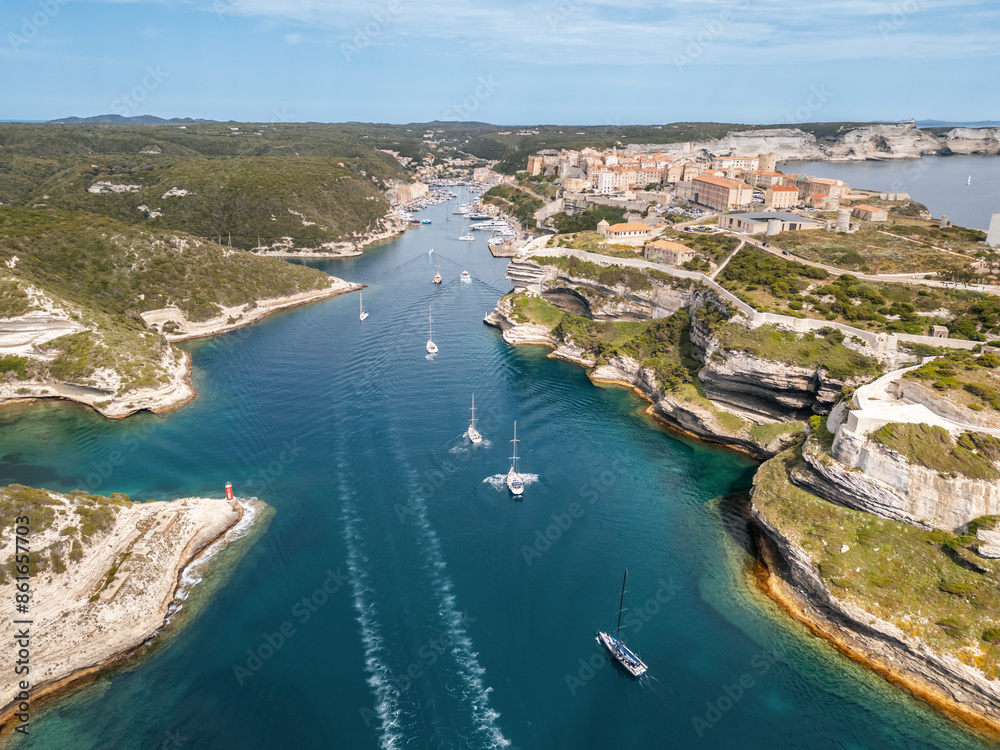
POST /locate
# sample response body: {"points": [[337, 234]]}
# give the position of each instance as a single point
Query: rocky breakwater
{"points": [[103, 573], [790, 574]]}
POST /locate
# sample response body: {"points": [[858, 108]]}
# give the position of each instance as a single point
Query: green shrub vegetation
{"points": [[775, 284], [900, 573], [14, 301], [932, 447], [16, 365], [588, 219], [969, 379], [519, 203], [636, 279], [112, 272], [802, 350]]}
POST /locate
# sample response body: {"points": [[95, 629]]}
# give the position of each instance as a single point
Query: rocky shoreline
{"points": [[786, 575], [695, 417], [784, 572], [394, 226], [877, 142], [109, 604], [178, 390]]}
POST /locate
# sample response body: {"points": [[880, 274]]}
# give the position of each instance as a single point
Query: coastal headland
{"points": [[873, 461], [101, 575]]}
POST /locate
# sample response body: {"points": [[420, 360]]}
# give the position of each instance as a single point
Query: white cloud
{"points": [[644, 32]]}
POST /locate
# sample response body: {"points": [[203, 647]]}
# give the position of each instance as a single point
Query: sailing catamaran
{"points": [[514, 481], [616, 647], [431, 346], [474, 434]]}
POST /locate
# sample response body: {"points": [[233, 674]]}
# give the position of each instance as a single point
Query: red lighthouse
{"points": [[229, 491]]}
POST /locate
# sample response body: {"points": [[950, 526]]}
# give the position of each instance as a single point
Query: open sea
{"points": [[939, 182], [400, 597]]}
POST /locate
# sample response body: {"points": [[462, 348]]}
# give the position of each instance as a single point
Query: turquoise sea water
{"points": [[400, 598]]}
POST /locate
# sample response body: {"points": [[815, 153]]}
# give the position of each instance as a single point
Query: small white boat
{"points": [[466, 276], [969, 182], [437, 276], [432, 348], [473, 434], [361, 307], [514, 481], [468, 238]]}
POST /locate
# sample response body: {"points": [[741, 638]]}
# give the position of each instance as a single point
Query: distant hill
{"points": [[282, 185], [119, 120], [953, 124]]}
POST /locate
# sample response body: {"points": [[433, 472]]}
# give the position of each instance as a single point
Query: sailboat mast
{"points": [[621, 604]]}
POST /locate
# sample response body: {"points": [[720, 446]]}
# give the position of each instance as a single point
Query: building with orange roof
{"points": [[781, 196], [720, 193], [869, 213], [761, 179]]}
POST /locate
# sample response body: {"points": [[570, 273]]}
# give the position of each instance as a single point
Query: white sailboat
{"points": [[969, 182], [361, 306], [466, 276], [473, 434], [432, 348], [437, 276], [514, 481]]}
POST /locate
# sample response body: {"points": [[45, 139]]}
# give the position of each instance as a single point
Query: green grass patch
{"points": [[899, 573], [932, 447], [802, 350], [532, 309]]}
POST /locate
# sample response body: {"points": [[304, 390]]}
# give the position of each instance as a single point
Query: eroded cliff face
{"points": [[793, 580], [971, 141], [592, 299], [691, 415], [770, 389], [890, 141], [866, 475], [873, 142]]}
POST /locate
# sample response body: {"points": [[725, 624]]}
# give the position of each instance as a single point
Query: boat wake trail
{"points": [[484, 717], [387, 695], [467, 445], [499, 481]]}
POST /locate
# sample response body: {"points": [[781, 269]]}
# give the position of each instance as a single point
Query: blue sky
{"points": [[511, 62]]}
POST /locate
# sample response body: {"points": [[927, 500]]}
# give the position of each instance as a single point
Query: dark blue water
{"points": [[397, 599], [939, 182]]}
